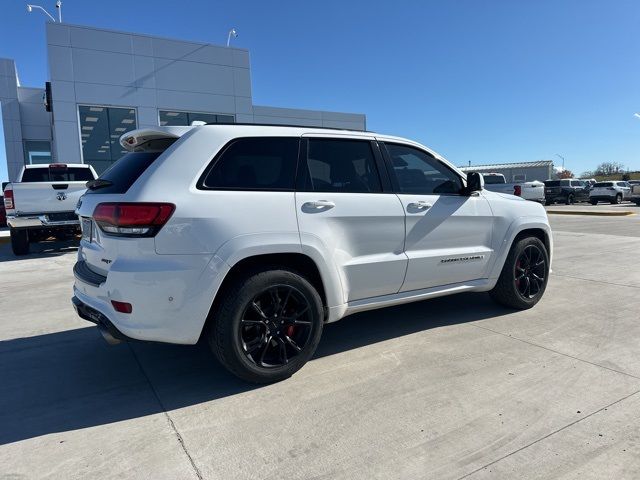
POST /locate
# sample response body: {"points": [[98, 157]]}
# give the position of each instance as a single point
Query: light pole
{"points": [[560, 156], [233, 32], [31, 7], [59, 7]]}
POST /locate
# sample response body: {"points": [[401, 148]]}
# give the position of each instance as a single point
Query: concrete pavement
{"points": [[449, 388]]}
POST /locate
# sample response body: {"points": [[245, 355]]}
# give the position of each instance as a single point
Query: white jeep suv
{"points": [[254, 237]]}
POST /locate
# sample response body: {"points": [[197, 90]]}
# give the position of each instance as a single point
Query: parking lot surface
{"points": [[455, 387]]}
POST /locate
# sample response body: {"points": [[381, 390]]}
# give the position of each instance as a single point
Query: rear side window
{"points": [[256, 163], [604, 184], [57, 174], [121, 175], [552, 183], [336, 165]]}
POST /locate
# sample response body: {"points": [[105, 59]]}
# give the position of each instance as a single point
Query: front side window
{"points": [[169, 118], [336, 165], [420, 173], [100, 130], [37, 152], [258, 163]]}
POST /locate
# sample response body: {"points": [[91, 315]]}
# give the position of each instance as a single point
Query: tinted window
{"points": [[493, 179], [577, 183], [552, 183], [267, 163], [565, 183], [341, 166], [121, 175], [420, 173], [57, 174], [604, 184]]}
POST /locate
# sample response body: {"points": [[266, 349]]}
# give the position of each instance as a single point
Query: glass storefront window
{"points": [[37, 151], [100, 131], [168, 118]]}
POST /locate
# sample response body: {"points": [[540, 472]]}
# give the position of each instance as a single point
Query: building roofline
{"points": [[122, 32]]}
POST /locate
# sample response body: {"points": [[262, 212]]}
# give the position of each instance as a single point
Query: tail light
{"points": [[8, 199], [132, 219], [517, 190]]}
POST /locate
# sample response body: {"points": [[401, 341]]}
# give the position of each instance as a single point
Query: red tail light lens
{"points": [[8, 199], [132, 219], [517, 190], [122, 307]]}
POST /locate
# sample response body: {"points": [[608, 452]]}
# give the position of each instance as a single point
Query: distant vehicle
{"points": [[635, 193], [612, 192], [633, 183], [590, 181], [566, 191], [3, 213], [496, 182], [42, 203], [254, 237]]}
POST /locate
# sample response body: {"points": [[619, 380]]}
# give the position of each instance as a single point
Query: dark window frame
{"points": [[379, 165], [394, 178], [200, 184]]}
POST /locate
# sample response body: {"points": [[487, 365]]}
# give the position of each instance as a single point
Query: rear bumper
{"points": [[43, 220], [92, 315], [170, 296]]}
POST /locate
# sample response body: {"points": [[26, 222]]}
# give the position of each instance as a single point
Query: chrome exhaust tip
{"points": [[110, 339]]}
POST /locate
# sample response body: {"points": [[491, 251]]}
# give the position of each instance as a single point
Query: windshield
{"points": [[552, 183]]}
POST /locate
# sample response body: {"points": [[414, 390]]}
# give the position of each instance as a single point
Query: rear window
{"points": [[604, 184], [57, 174], [493, 179], [121, 175], [552, 183]]}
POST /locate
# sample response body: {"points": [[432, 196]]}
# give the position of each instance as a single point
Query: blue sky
{"points": [[480, 81]]}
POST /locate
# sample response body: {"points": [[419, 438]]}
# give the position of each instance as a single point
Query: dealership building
{"points": [[103, 83]]}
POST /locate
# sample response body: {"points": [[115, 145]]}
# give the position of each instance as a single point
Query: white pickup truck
{"points": [[42, 203], [528, 190]]}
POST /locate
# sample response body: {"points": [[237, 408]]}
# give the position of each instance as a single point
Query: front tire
{"points": [[593, 202], [524, 275], [19, 241], [267, 325], [617, 200], [569, 200]]}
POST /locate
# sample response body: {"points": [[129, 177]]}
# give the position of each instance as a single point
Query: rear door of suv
{"points": [[345, 207]]}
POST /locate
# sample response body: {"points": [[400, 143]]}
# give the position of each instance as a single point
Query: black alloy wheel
{"points": [[267, 324], [275, 326], [530, 272]]}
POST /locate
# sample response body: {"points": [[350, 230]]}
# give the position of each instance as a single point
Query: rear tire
{"points": [[569, 200], [593, 202], [518, 273], [19, 241], [261, 337]]}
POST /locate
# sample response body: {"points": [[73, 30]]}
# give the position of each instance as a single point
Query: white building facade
{"points": [[104, 83]]}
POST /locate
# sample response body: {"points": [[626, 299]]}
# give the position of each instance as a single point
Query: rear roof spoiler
{"points": [[135, 140]]}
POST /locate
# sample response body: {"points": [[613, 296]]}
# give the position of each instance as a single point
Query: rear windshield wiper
{"points": [[98, 183]]}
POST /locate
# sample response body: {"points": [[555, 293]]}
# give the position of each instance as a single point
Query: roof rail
{"points": [[287, 125]]}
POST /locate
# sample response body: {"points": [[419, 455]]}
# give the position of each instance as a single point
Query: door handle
{"points": [[420, 205], [319, 204]]}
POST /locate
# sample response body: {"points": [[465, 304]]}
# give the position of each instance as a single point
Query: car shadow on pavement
{"points": [[58, 382], [45, 249]]}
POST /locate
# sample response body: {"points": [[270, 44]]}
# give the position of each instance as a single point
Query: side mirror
{"points": [[475, 182]]}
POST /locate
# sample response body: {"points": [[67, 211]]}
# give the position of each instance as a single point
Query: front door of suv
{"points": [[346, 214], [448, 234]]}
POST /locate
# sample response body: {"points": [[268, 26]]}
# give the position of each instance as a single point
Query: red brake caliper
{"points": [[290, 330]]}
